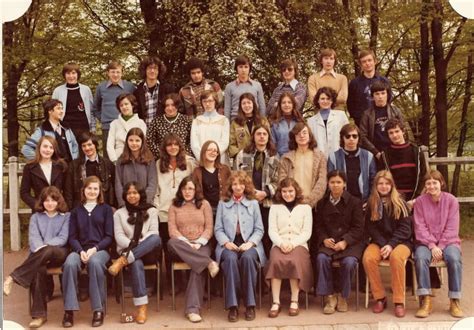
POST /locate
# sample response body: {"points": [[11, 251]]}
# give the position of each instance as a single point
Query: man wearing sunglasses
{"points": [[289, 83]]}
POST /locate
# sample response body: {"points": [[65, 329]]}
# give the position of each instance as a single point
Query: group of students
{"points": [[301, 193]]}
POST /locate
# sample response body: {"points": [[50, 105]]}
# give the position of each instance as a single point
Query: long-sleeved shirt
{"points": [[235, 89], [143, 174], [331, 79], [91, 229], [45, 230], [298, 89], [188, 223], [437, 223]]}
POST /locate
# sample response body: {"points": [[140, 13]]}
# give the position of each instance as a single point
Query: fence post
{"points": [[13, 187]]}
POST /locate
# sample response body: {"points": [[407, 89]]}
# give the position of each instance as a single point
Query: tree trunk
{"points": [[463, 123], [424, 74], [374, 24], [149, 12], [441, 99], [353, 32]]}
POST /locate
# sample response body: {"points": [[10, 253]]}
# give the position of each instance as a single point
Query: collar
{"points": [[191, 202], [210, 114], [347, 153], [238, 82], [109, 83], [145, 85], [292, 84], [96, 159], [244, 201], [54, 127], [55, 214], [333, 200], [331, 73]]}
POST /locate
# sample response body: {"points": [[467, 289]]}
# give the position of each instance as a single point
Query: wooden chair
{"points": [[176, 265]]}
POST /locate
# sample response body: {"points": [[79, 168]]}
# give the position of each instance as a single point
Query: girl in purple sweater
{"points": [[436, 219]]}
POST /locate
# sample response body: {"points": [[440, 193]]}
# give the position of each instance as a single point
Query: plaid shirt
{"points": [[245, 162], [151, 102]]}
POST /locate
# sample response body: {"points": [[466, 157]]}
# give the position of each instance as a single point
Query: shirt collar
{"points": [[323, 73], [238, 82], [347, 153], [55, 127], [96, 159], [292, 84], [120, 83], [145, 85], [333, 200]]}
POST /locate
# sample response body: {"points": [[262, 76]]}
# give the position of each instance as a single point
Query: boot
{"points": [[7, 286], [118, 265], [141, 314], [426, 307], [455, 308], [331, 303]]}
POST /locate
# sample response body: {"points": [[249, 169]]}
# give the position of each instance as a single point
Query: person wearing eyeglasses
{"points": [[327, 77], [289, 83]]}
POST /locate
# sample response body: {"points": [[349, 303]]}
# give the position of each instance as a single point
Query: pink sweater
{"points": [[437, 224], [189, 223]]}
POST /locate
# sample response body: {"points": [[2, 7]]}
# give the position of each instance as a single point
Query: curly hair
{"points": [[55, 194], [242, 178], [328, 91], [165, 157], [285, 183], [153, 60]]}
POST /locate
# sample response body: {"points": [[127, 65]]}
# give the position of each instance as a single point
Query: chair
{"points": [[259, 274], [154, 267], [439, 265], [337, 264], [386, 263], [58, 271], [177, 265]]}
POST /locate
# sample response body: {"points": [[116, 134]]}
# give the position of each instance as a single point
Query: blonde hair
{"points": [[395, 205]]}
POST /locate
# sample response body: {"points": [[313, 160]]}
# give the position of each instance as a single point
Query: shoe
{"points": [[379, 305], [272, 313], [341, 304], [7, 286], [399, 310], [37, 322], [233, 315], [141, 314], [455, 308], [426, 307], [331, 303], [97, 319], [294, 311], [194, 317], [250, 313], [68, 319], [213, 268], [117, 265]]}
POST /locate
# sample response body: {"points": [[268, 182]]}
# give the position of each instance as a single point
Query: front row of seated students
{"points": [[338, 235]]}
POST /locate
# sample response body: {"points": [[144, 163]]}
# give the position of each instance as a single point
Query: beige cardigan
{"points": [[293, 227]]}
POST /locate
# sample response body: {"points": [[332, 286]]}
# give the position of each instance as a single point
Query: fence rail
{"points": [[13, 170]]}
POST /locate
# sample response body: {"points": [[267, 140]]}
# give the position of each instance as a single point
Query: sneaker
{"points": [[330, 306], [194, 317], [7, 286], [342, 304], [37, 322], [213, 268]]}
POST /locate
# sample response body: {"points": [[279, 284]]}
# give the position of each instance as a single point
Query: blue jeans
{"points": [[240, 274], [452, 257], [135, 265], [325, 274], [96, 269]]}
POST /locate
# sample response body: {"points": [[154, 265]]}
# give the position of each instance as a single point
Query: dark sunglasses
{"points": [[287, 69], [354, 136]]}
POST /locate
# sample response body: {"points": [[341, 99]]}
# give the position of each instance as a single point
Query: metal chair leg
{"points": [[208, 291], [173, 304], [158, 290], [366, 291], [122, 291], [357, 287]]}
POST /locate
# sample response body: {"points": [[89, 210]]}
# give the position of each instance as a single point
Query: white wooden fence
{"points": [[14, 170]]}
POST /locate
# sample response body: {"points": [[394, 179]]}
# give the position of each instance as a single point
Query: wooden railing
{"points": [[14, 170]]}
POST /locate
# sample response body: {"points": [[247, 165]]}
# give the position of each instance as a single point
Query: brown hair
{"points": [[345, 130], [128, 96], [288, 63], [49, 105], [54, 158], [176, 100], [393, 123], [198, 194], [366, 52], [251, 148], [145, 155], [71, 66], [241, 119], [242, 60], [277, 115], [285, 183], [243, 178], [114, 64], [206, 94], [292, 145], [435, 175], [87, 182], [153, 60], [165, 157], [202, 156], [326, 53], [55, 194], [395, 205], [331, 93]]}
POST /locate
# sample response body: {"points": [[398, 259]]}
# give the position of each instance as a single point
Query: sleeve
{"points": [[208, 226], [90, 99], [154, 225], [332, 162], [320, 232], [421, 226], [372, 169], [342, 95], [108, 229], [273, 185], [97, 105], [351, 101], [271, 103], [172, 227], [195, 141], [258, 228], [356, 230], [273, 232], [25, 188], [119, 234], [320, 187], [364, 134], [68, 189], [219, 231], [35, 239], [227, 102], [61, 238], [224, 140], [261, 100], [119, 184], [307, 229], [283, 169], [402, 232], [29, 148], [233, 146], [312, 87], [374, 231], [152, 181], [74, 144], [451, 230], [111, 141], [73, 238], [152, 139], [300, 96]]}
